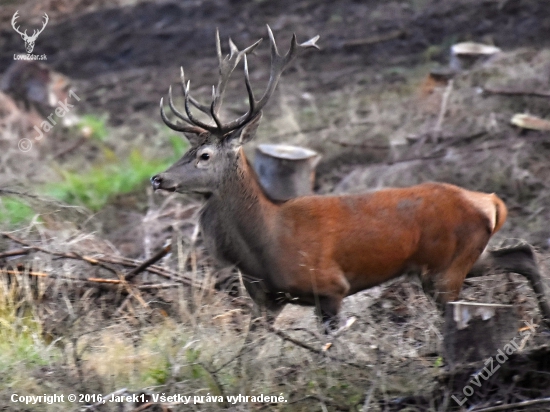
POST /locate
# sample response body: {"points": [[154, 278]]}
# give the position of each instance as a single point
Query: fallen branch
{"points": [[106, 261], [156, 270], [158, 285], [515, 92], [442, 153], [513, 405], [14, 252], [145, 286], [310, 348], [361, 145], [88, 259], [16, 272], [158, 256], [71, 278], [16, 193], [395, 34], [70, 255], [132, 291]]}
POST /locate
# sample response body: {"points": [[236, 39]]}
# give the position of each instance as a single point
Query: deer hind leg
{"points": [[327, 309], [330, 291], [517, 259], [445, 286]]}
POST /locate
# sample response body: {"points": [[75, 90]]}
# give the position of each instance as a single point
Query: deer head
{"points": [[215, 147], [29, 40]]}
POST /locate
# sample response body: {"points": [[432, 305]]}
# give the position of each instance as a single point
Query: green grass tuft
{"points": [[20, 333], [96, 187], [14, 211]]}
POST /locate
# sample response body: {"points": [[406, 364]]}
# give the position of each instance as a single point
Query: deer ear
{"points": [[247, 133], [194, 139]]}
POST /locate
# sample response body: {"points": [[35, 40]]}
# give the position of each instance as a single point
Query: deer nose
{"points": [[156, 181]]}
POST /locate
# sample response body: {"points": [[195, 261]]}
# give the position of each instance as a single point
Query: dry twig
{"points": [[516, 92], [70, 255], [310, 348], [443, 109], [106, 261], [14, 252], [154, 259], [395, 34], [513, 406]]}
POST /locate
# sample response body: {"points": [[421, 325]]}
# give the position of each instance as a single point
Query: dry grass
{"points": [[65, 336]]}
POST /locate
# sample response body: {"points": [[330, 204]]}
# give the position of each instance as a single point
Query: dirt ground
{"points": [[367, 103]]}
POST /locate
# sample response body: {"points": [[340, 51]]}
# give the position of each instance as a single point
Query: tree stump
{"points": [[465, 55], [285, 171], [476, 331]]}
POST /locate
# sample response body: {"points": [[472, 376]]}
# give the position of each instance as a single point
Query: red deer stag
{"points": [[316, 250]]}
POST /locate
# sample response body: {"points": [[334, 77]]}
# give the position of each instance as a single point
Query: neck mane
{"points": [[239, 221]]}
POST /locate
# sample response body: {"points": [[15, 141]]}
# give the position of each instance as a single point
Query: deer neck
{"points": [[239, 221]]}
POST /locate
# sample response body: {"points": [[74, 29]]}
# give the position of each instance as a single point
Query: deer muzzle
{"points": [[160, 182]]}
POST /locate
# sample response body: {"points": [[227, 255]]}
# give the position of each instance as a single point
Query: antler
{"points": [[278, 65], [13, 22], [226, 67], [37, 32]]}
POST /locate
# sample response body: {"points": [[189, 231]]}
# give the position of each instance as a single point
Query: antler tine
{"points": [[178, 128], [278, 65], [192, 118], [251, 99], [219, 47], [226, 66], [202, 107], [173, 108], [188, 99], [213, 111]]}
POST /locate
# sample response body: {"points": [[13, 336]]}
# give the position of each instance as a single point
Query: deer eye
{"points": [[204, 156]]}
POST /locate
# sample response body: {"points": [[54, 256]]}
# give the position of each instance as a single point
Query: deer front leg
{"points": [[266, 305]]}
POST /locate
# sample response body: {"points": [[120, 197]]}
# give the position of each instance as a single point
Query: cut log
{"points": [[285, 171], [475, 331], [465, 55]]}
